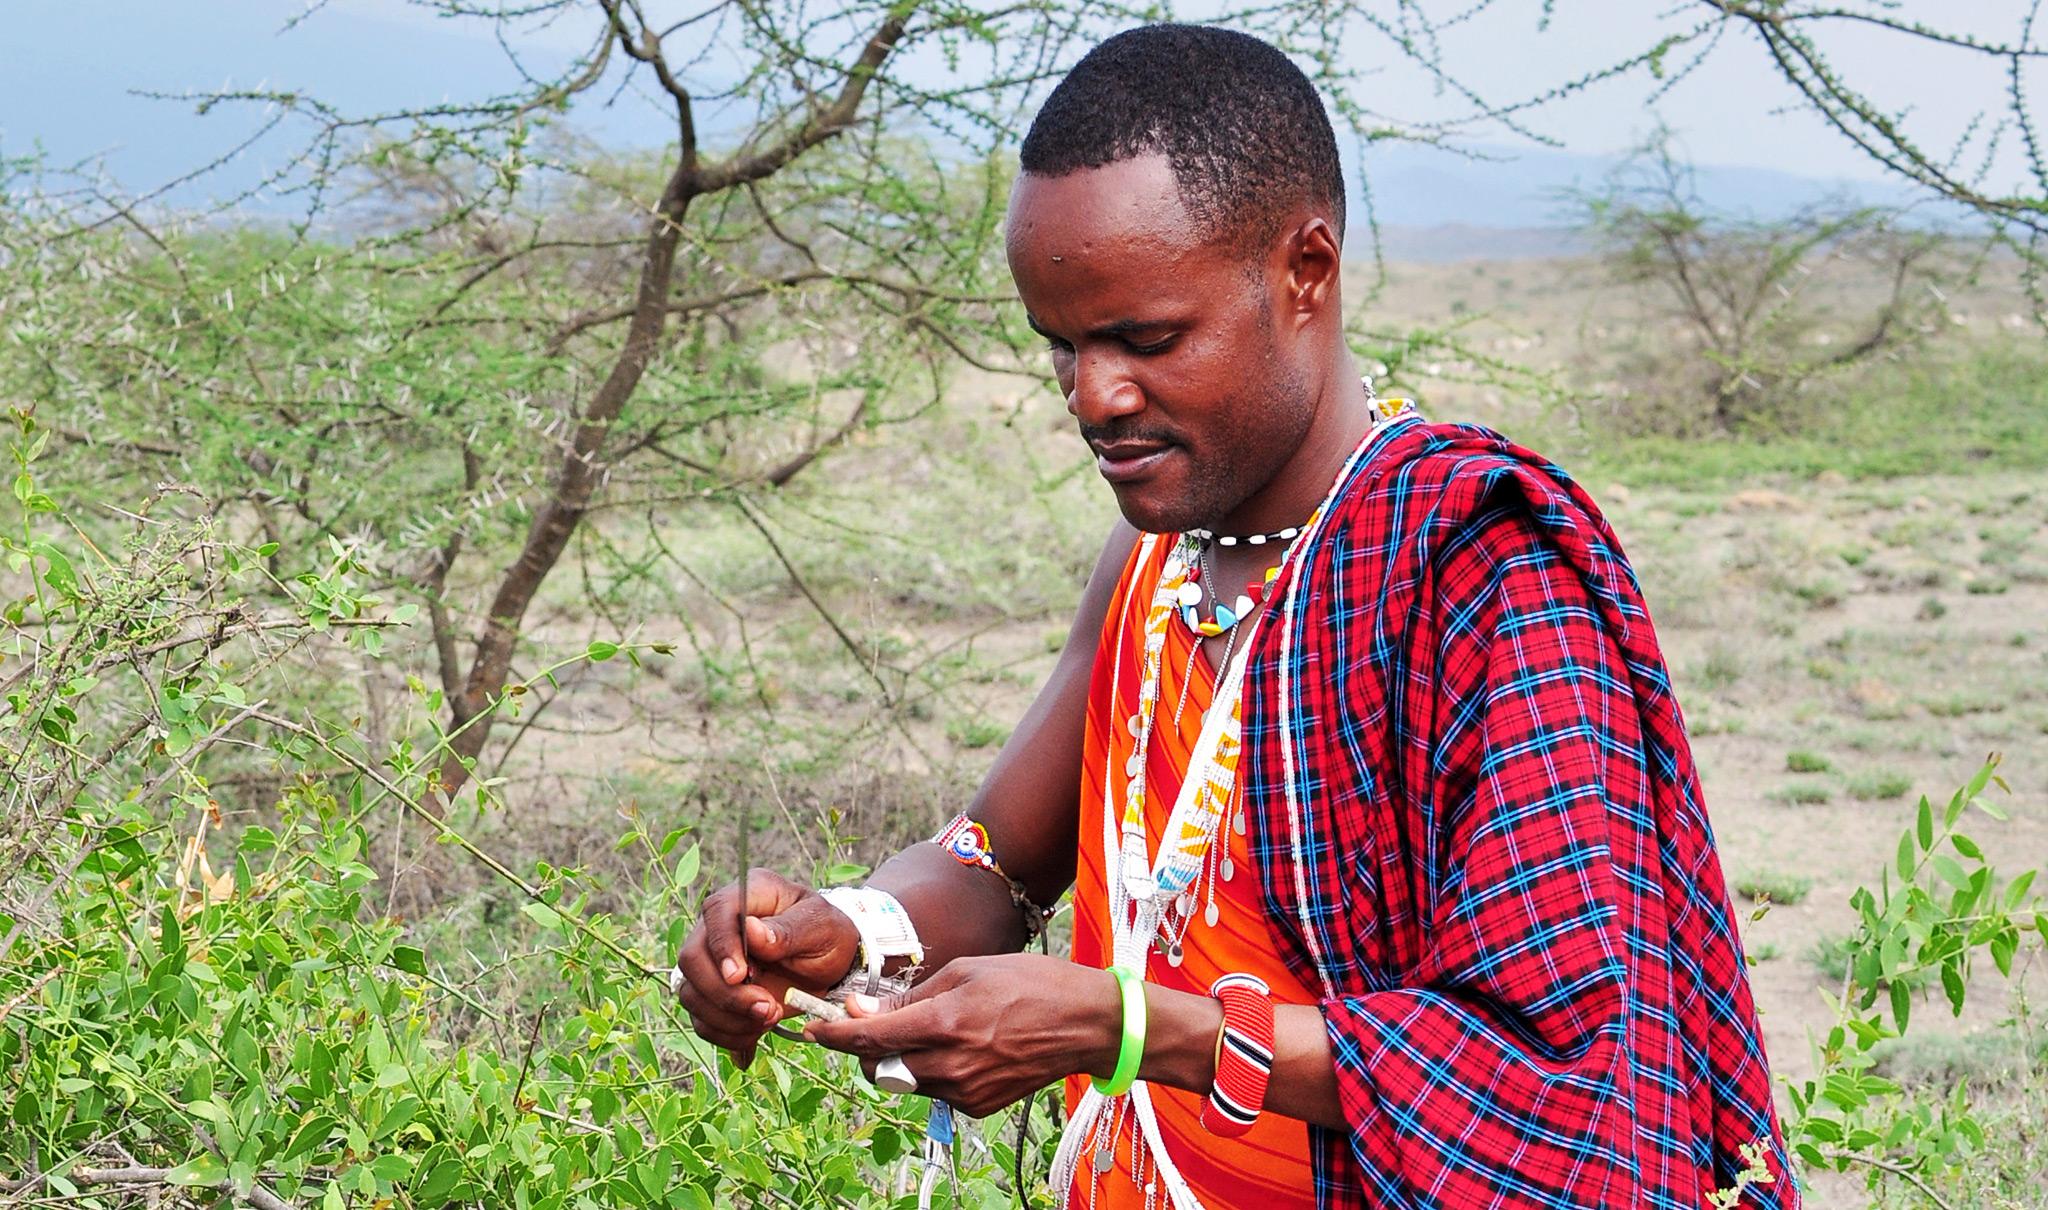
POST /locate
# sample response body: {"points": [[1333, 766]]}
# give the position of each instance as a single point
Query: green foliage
{"points": [[1925, 925], [1879, 784], [1992, 398], [1803, 793], [228, 1007], [1775, 886], [1801, 761]]}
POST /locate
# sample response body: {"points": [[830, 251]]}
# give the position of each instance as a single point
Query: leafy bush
{"points": [[189, 999]]}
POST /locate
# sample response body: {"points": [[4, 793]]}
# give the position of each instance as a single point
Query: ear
{"points": [[1315, 268]]}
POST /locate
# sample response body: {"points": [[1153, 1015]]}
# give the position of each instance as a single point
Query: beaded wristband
{"points": [[1245, 1060], [1132, 1050], [967, 841]]}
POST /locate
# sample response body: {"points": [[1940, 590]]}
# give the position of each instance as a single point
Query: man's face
{"points": [[1191, 397]]}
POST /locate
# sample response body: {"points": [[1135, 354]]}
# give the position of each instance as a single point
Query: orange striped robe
{"points": [[1269, 1167]]}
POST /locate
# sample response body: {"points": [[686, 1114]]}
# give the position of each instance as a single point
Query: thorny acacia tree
{"points": [[1996, 167], [477, 335], [1759, 308]]}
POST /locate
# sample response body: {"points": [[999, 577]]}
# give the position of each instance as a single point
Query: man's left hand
{"points": [[985, 1032]]}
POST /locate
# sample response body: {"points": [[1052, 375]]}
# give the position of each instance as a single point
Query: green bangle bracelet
{"points": [[1132, 1051]]}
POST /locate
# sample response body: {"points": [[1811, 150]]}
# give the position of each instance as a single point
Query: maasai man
{"points": [[1392, 881]]}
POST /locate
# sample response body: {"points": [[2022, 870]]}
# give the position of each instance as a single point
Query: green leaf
{"points": [[600, 650], [439, 1179], [688, 866], [409, 958], [1952, 983], [209, 1110], [392, 1075], [1981, 780], [2002, 949], [1902, 1005], [1906, 855], [543, 915], [1951, 870], [2016, 893], [1926, 824], [1966, 847], [59, 575], [199, 1170], [311, 1133]]}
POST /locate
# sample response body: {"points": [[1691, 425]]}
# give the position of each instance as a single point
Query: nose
{"points": [[1102, 392]]}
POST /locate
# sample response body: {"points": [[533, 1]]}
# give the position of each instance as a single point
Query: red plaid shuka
{"points": [[1479, 830]]}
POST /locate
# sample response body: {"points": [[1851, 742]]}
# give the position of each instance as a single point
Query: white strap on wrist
{"points": [[885, 932]]}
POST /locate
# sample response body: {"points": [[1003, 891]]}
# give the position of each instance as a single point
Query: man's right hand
{"points": [[794, 937]]}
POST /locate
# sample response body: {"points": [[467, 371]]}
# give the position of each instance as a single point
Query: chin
{"points": [[1157, 513]]}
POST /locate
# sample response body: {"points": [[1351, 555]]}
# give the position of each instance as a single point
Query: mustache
{"points": [[1104, 434]]}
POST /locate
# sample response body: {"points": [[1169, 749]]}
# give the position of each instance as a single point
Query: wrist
{"points": [[1102, 1029], [1181, 1033], [883, 936]]}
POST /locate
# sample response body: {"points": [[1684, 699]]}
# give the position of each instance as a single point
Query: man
{"points": [[1360, 759]]}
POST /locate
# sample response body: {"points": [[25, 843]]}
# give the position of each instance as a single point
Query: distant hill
{"points": [[1425, 187], [1463, 241]]}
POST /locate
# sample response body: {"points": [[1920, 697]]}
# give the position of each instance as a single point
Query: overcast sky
{"points": [[69, 71]]}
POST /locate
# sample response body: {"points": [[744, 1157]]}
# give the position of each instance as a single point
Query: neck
{"points": [[1343, 415]]}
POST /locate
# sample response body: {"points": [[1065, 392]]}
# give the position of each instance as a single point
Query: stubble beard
{"points": [[1274, 419]]}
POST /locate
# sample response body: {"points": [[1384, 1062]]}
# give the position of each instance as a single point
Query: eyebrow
{"points": [[1114, 330]]}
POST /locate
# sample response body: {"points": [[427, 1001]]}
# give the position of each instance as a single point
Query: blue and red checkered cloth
{"points": [[1480, 830]]}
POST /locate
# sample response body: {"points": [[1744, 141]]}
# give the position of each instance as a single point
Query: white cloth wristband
{"points": [[885, 932]]}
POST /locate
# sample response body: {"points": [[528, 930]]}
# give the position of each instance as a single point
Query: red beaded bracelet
{"points": [[1244, 1059]]}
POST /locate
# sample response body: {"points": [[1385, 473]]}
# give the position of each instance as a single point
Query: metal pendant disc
{"points": [[1105, 1158], [1238, 823], [1209, 916], [1229, 868], [1174, 954]]}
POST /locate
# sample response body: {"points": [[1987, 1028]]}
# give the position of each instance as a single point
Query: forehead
{"points": [[1117, 230]]}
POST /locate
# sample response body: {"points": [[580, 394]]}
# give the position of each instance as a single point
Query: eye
{"points": [[1057, 345], [1157, 346]]}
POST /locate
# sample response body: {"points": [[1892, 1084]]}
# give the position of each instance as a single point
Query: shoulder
{"points": [[1435, 486]]}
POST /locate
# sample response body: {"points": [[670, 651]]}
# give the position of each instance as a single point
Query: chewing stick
{"points": [[891, 1074], [811, 1006]]}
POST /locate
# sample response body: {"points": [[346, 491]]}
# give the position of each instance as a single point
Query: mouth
{"points": [[1127, 461]]}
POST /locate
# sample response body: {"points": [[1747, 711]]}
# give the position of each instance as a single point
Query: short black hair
{"points": [[1241, 126]]}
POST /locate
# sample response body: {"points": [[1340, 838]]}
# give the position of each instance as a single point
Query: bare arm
{"points": [[1030, 803]]}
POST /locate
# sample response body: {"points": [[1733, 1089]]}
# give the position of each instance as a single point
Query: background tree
{"points": [[1753, 311], [1996, 169], [478, 334]]}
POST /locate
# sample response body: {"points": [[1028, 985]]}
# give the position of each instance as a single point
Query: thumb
{"points": [[811, 928], [771, 939], [860, 1004]]}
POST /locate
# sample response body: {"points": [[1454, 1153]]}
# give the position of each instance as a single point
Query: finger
{"points": [[809, 929], [745, 1009], [703, 979], [862, 1005], [920, 1026], [730, 1040], [718, 933]]}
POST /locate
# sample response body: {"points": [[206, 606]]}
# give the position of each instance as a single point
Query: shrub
{"points": [[1801, 761], [1775, 886], [1879, 784]]}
